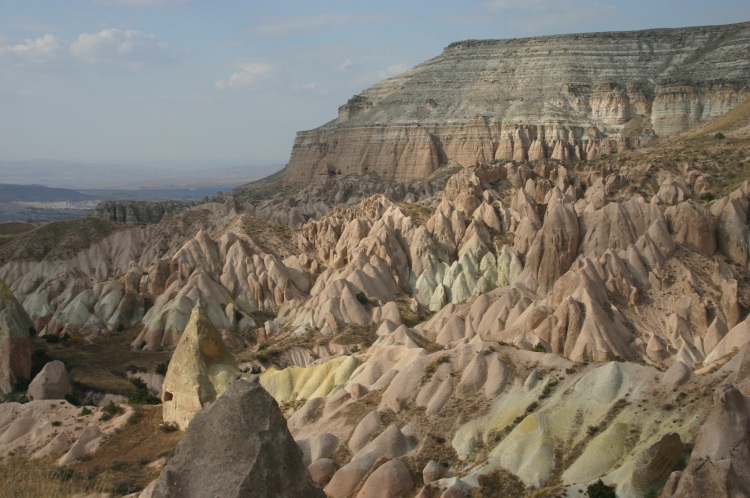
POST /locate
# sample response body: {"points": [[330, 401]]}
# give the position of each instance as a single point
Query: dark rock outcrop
{"points": [[138, 211], [15, 342], [238, 446]]}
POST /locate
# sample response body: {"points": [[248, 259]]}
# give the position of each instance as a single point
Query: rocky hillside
{"points": [[508, 328], [567, 97]]}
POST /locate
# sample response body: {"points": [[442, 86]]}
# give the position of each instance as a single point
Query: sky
{"points": [[193, 82]]}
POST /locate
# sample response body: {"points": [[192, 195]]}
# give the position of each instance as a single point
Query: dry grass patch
{"points": [[262, 236], [420, 213], [101, 365], [410, 318], [498, 484], [58, 239], [424, 343], [362, 336], [122, 463], [269, 351], [15, 228], [23, 478]]}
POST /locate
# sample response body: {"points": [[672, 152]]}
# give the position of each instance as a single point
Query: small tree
{"points": [[600, 490]]}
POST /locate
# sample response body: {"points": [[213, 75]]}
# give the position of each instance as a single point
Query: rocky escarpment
{"points": [[564, 97], [138, 211]]}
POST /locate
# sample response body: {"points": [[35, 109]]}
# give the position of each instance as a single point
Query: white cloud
{"points": [[344, 66], [134, 48], [34, 51], [279, 27], [249, 73], [109, 47]]}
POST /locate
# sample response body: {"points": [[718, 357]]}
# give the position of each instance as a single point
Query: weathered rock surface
{"points": [[51, 383], [720, 462], [53, 429], [237, 447], [199, 372], [15, 342], [561, 97]]}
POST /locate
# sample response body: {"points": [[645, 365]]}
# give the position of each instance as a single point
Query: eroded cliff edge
{"points": [[576, 96]]}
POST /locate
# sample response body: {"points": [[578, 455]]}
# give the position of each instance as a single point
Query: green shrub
{"points": [[168, 427], [21, 385], [707, 196], [73, 399], [539, 348], [142, 396], [362, 298], [110, 411], [84, 411], [600, 490], [161, 368], [719, 135]]}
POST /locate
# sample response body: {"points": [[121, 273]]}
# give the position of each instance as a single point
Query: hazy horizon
{"points": [[177, 85], [129, 176]]}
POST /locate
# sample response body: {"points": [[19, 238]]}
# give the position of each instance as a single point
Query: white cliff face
{"points": [[567, 97]]}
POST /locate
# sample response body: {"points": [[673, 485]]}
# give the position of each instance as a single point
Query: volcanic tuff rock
{"points": [[561, 322], [720, 462], [237, 447], [200, 370], [51, 383], [564, 97], [15, 343]]}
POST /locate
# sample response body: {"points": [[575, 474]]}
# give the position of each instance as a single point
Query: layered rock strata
{"points": [[567, 97]]}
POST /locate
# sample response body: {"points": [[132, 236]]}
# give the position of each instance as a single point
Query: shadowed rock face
{"points": [[562, 97], [15, 343], [237, 447], [721, 458], [138, 211]]}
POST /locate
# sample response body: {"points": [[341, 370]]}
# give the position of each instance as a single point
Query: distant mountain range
{"points": [[39, 193]]}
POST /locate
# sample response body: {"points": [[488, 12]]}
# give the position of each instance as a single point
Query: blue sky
{"points": [[230, 82]]}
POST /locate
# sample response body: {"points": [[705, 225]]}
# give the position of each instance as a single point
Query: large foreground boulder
{"points": [[15, 342], [238, 446]]}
